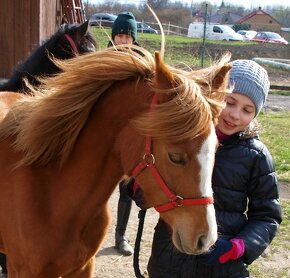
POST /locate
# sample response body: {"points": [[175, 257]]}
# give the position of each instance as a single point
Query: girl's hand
{"points": [[223, 251]]}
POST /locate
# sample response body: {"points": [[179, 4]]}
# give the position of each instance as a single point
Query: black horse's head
{"points": [[69, 41], [77, 38]]}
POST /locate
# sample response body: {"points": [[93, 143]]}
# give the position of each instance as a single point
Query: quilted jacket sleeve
{"points": [[264, 211]]}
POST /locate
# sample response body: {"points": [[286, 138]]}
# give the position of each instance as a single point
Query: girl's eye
{"points": [[249, 111], [177, 158]]}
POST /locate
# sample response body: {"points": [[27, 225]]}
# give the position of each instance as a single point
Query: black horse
{"points": [[68, 41]]}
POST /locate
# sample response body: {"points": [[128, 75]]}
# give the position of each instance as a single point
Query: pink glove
{"points": [[223, 251], [237, 251]]}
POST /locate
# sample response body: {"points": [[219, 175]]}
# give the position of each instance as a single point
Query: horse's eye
{"points": [[177, 158]]}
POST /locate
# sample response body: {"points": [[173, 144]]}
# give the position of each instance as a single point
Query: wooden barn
{"points": [[25, 24]]}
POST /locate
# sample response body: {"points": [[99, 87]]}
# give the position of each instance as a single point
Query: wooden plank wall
{"points": [[7, 54], [24, 25], [49, 18]]}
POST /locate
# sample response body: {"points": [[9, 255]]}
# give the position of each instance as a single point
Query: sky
{"points": [[245, 3]]}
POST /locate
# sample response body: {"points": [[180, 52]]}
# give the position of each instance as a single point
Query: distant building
{"points": [[260, 21], [226, 18], [220, 16]]}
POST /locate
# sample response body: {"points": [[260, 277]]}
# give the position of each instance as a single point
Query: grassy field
{"points": [[178, 49], [275, 133]]}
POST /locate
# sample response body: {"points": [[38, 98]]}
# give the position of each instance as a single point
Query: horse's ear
{"points": [[83, 29], [164, 78], [220, 79]]}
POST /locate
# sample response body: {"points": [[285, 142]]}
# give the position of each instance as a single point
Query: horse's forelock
{"points": [[184, 116]]}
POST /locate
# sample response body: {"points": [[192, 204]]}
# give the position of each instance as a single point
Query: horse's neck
{"points": [[100, 141]]}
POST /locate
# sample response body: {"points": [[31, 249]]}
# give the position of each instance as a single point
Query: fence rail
{"points": [[169, 29]]}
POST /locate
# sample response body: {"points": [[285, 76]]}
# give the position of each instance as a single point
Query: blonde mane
{"points": [[47, 123]]}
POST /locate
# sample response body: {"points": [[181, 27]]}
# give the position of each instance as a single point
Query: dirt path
{"points": [[277, 103], [109, 263], [284, 190]]}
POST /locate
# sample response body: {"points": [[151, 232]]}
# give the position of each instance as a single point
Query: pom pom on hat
{"points": [[250, 79], [126, 24]]}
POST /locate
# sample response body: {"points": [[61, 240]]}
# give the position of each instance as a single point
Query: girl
{"points": [[245, 190]]}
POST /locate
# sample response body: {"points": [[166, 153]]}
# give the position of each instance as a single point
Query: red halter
{"points": [[72, 44], [149, 161]]}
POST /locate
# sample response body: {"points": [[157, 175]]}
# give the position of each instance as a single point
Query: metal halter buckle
{"points": [[149, 159], [179, 201]]}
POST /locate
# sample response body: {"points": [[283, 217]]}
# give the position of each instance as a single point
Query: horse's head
{"points": [[175, 173], [78, 38]]}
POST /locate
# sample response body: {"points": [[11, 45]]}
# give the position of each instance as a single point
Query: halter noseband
{"points": [[149, 161], [72, 44]]}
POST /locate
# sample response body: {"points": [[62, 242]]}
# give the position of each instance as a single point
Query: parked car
{"points": [[270, 37], [213, 32], [247, 34], [145, 28], [102, 20]]}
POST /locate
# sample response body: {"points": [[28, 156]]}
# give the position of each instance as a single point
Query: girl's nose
{"points": [[235, 114]]}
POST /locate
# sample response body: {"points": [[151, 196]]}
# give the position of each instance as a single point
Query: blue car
{"points": [[102, 20]]}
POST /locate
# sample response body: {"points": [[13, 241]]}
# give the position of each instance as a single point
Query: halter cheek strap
{"points": [[72, 44], [149, 161]]}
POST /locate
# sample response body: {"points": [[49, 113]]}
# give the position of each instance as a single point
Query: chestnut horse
{"points": [[64, 149]]}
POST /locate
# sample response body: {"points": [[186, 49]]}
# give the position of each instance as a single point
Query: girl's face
{"points": [[123, 39], [237, 114]]}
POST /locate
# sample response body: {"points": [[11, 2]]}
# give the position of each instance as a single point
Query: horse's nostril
{"points": [[200, 242]]}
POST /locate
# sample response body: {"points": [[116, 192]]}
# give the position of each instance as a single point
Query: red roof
{"points": [[253, 13]]}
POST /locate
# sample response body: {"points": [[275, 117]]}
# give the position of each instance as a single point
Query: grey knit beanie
{"points": [[250, 79]]}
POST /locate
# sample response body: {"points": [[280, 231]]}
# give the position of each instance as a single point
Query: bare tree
{"points": [[158, 4], [282, 14]]}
